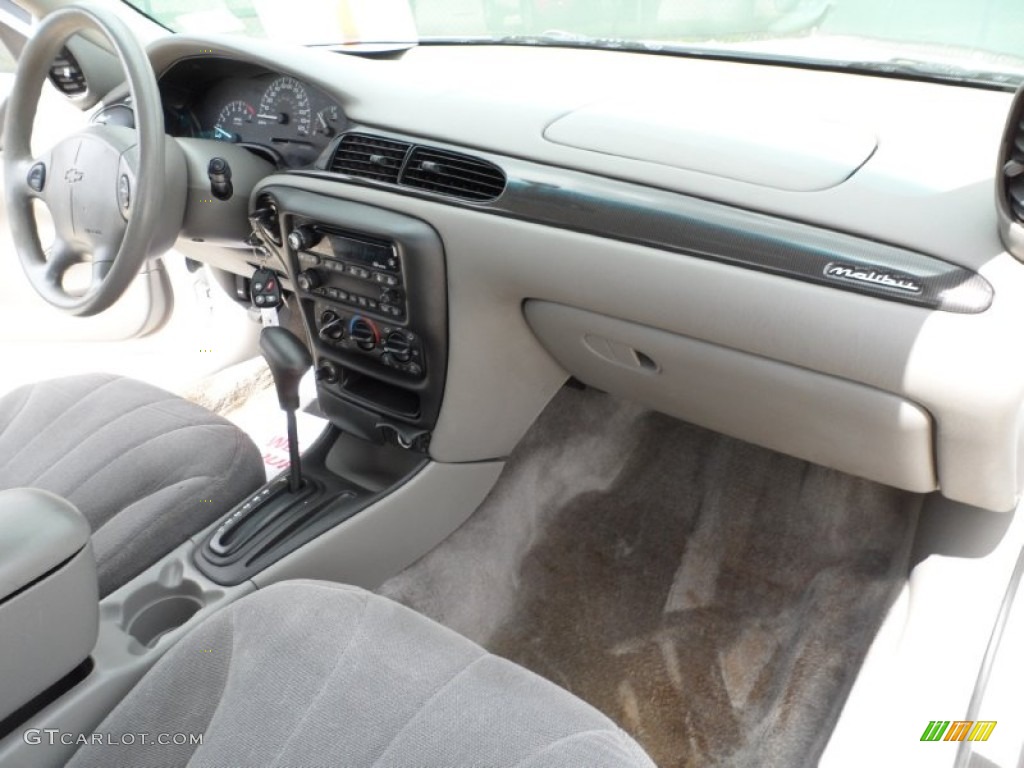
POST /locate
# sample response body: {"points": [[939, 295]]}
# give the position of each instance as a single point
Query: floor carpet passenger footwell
{"points": [[714, 598]]}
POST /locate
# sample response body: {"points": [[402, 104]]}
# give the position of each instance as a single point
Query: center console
{"points": [[372, 291], [369, 285]]}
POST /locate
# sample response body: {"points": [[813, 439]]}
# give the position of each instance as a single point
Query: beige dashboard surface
{"points": [[784, 141]]}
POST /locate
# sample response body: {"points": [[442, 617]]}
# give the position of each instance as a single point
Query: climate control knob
{"points": [[397, 345], [302, 238], [363, 332], [331, 326]]}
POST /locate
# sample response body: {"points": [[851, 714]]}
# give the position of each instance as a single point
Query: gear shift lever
{"points": [[289, 360]]}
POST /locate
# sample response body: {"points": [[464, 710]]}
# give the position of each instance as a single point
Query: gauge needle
{"points": [[220, 133], [275, 118]]}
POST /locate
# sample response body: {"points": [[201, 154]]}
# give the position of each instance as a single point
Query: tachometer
{"points": [[286, 103], [232, 120]]}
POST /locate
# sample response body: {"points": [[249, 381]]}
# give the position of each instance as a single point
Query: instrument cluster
{"points": [[278, 115]]}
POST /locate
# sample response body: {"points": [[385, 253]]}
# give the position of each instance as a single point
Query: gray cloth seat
{"points": [[313, 674], [146, 468]]}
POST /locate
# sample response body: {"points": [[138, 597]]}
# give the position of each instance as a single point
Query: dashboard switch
{"points": [[327, 372], [220, 178]]}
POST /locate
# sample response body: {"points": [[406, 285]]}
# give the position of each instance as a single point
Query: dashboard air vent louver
{"points": [[267, 217], [1013, 167], [369, 157], [451, 173], [66, 74]]}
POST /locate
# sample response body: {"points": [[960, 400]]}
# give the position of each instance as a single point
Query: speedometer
{"points": [[285, 103]]}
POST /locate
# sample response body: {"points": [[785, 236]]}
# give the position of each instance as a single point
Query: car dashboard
{"points": [[789, 256]]}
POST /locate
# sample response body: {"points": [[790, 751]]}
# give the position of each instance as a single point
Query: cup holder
{"points": [[155, 609]]}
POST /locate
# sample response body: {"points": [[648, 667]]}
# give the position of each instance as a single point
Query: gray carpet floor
{"points": [[714, 598]]}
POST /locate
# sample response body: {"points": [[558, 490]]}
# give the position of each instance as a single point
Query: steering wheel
{"points": [[102, 185]]}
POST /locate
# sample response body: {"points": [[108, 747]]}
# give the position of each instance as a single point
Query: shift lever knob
{"points": [[288, 359]]}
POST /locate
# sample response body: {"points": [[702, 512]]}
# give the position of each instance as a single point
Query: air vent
{"points": [[1010, 179], [1013, 168], [267, 218], [369, 157], [66, 75], [450, 173]]}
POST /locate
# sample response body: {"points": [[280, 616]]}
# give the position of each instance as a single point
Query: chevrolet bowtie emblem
{"points": [[73, 176]]}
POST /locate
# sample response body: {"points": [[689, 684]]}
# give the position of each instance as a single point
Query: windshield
{"points": [[980, 40]]}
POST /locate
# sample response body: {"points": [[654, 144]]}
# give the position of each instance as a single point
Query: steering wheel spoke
{"points": [[59, 257], [101, 266]]}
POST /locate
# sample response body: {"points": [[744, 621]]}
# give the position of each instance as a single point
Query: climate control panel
{"points": [[391, 346]]}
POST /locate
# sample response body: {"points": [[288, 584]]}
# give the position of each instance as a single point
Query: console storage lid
{"points": [[49, 597], [40, 531]]}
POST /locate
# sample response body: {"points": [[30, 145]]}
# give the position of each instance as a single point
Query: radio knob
{"points": [[309, 280], [391, 296], [303, 238], [363, 332]]}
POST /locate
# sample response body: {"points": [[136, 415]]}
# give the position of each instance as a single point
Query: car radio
{"points": [[354, 270], [358, 287]]}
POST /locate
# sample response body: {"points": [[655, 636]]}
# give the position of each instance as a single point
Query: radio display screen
{"points": [[373, 254]]}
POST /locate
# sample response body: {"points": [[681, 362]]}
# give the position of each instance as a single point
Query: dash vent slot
{"points": [[66, 74], [1009, 195], [1013, 168], [453, 174], [369, 157]]}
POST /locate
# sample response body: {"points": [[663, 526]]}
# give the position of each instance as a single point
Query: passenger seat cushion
{"points": [[316, 673], [147, 468]]}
